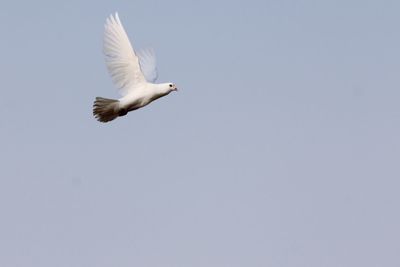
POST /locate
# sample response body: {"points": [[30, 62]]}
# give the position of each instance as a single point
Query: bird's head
{"points": [[166, 88], [172, 87]]}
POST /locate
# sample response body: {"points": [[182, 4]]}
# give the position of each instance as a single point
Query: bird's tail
{"points": [[105, 109]]}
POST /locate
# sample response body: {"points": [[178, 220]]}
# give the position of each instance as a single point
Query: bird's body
{"points": [[133, 74], [143, 96]]}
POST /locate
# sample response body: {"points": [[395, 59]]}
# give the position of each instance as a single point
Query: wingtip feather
{"points": [[112, 19]]}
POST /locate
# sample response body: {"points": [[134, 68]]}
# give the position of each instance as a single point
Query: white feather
{"points": [[148, 64], [122, 62]]}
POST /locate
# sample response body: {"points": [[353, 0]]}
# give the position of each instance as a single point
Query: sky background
{"points": [[280, 149]]}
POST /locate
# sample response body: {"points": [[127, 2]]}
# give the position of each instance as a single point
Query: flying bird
{"points": [[133, 73]]}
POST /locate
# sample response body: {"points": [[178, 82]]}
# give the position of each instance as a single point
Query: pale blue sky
{"points": [[281, 148]]}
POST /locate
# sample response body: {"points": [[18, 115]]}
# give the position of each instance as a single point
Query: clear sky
{"points": [[280, 149]]}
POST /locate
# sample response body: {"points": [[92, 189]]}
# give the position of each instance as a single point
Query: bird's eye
{"points": [[170, 85]]}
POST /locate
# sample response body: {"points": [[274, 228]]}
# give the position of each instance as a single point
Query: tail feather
{"points": [[105, 109]]}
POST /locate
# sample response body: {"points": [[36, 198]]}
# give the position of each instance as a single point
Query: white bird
{"points": [[133, 73]]}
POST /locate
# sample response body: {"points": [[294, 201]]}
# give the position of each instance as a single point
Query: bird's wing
{"points": [[121, 60], [148, 64]]}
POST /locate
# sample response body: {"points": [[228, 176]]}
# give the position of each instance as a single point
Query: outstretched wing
{"points": [[148, 64], [122, 62]]}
